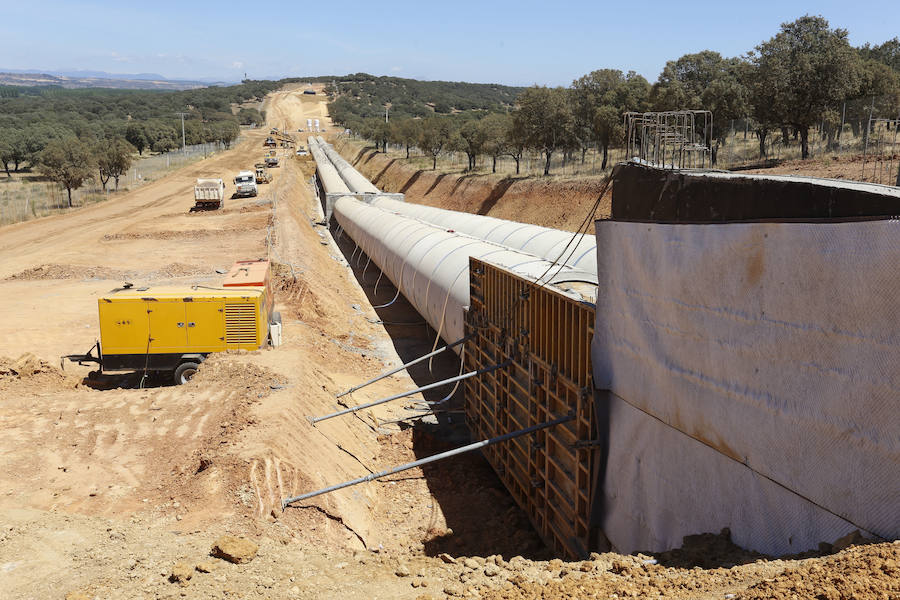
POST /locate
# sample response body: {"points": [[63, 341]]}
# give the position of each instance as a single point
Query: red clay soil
{"points": [[561, 203]]}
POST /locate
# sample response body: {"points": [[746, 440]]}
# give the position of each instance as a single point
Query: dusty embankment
{"points": [[106, 488], [552, 202]]}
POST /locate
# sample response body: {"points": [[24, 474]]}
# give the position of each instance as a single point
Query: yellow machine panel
{"points": [[125, 326], [182, 320], [205, 322], [167, 325]]}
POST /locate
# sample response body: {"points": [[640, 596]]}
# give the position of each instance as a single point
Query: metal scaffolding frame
{"points": [[880, 150], [677, 139]]}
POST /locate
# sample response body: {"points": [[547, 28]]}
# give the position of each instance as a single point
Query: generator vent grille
{"points": [[240, 323]]}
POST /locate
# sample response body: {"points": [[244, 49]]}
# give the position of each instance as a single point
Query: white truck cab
{"points": [[245, 184]]}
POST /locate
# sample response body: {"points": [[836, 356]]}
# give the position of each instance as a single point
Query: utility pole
{"points": [[385, 113], [183, 145]]}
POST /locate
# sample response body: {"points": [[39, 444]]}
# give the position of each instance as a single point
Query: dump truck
{"points": [[209, 194], [270, 142], [262, 174], [172, 330], [245, 184], [271, 159]]}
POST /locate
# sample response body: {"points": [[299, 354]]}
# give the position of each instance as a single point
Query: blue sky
{"points": [[517, 43]]}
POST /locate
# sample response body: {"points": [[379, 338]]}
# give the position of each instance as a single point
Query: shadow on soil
{"points": [[435, 183], [497, 192], [127, 381], [411, 181], [482, 518], [381, 173], [707, 551]]}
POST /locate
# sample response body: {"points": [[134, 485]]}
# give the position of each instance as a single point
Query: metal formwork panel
{"points": [[547, 335]]}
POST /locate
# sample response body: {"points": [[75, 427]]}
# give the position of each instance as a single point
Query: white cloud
{"points": [[396, 69], [237, 65]]}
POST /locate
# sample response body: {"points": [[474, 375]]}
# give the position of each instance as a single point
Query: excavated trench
{"points": [[482, 518], [412, 337]]}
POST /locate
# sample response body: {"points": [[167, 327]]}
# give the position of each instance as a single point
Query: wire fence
{"points": [[28, 195], [740, 148]]}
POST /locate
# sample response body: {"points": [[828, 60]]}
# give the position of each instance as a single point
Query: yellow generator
{"points": [[174, 329]]}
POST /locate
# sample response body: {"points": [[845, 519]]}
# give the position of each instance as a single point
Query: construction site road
{"points": [[108, 490]]}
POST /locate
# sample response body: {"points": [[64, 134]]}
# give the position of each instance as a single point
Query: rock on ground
{"points": [[234, 549]]}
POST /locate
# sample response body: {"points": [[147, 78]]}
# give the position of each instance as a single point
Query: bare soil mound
{"points": [[30, 373], [848, 167], [54, 271], [859, 572], [177, 269], [292, 289], [870, 571], [189, 234], [58, 271], [224, 370]]}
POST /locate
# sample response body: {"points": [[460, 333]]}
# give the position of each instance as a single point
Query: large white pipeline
{"points": [[429, 264], [545, 242], [328, 175], [355, 180], [550, 244]]}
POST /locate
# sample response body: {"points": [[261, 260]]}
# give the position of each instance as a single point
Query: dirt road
{"points": [[104, 492]]}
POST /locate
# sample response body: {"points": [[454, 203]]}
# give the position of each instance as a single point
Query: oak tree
{"points": [[811, 67], [69, 162], [113, 160]]}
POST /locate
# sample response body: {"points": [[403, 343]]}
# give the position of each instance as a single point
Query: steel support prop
{"points": [[401, 367], [430, 459], [430, 386]]}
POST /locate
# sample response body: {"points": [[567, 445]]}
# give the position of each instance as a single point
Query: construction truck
{"points": [[285, 140], [172, 330], [270, 142], [245, 184], [271, 159], [209, 194], [262, 173]]}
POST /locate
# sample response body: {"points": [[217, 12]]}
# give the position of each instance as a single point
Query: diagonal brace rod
{"points": [[429, 459], [353, 409], [401, 367]]}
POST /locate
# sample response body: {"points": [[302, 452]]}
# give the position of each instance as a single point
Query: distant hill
{"points": [[362, 95], [100, 79]]}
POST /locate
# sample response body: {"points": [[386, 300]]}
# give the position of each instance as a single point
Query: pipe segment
{"points": [[430, 264], [545, 242]]}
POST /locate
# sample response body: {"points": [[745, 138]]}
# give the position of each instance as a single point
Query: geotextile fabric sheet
{"points": [[754, 371]]}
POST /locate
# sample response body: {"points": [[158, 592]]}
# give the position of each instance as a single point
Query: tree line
{"points": [[361, 96], [71, 162], [806, 77], [33, 117]]}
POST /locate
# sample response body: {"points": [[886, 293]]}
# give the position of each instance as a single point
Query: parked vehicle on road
{"points": [[245, 184]]}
